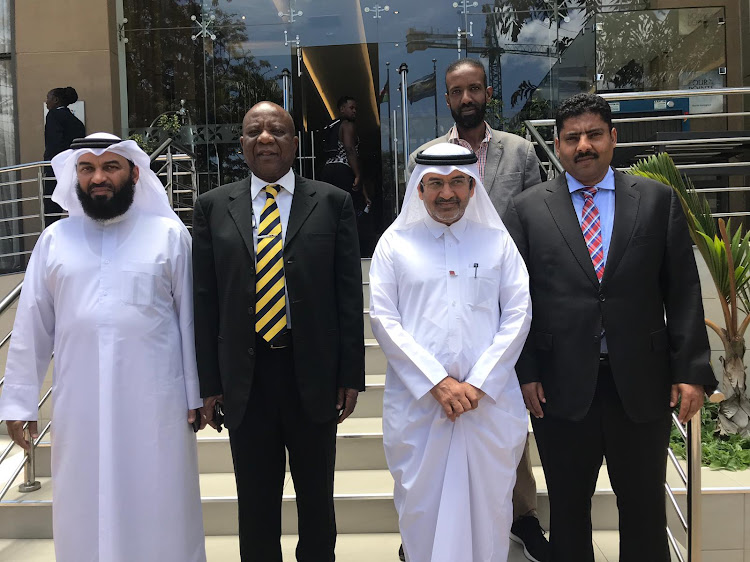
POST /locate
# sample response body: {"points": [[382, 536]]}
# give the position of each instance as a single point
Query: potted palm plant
{"points": [[727, 258]]}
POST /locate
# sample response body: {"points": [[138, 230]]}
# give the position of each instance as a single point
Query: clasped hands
{"points": [[455, 397]]}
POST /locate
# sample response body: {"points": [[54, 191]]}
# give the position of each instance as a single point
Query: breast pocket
{"points": [[481, 287], [138, 283]]}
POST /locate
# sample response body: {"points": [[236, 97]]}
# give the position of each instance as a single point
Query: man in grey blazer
{"points": [[507, 162], [507, 165]]}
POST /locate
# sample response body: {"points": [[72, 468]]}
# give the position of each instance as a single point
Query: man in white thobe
{"points": [[450, 308], [109, 290]]}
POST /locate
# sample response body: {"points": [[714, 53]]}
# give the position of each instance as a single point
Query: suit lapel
{"points": [[627, 201], [561, 207], [494, 153], [241, 210], [303, 203]]}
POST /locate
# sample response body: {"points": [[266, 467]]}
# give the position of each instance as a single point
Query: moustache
{"points": [[587, 154], [441, 201]]}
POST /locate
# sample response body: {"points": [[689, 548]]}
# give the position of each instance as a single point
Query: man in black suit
{"points": [[279, 332], [617, 334]]}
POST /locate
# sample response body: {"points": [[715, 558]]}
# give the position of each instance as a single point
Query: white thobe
{"points": [[451, 301], [114, 302]]}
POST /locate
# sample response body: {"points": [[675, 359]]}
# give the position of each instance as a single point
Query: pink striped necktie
{"points": [[591, 226]]}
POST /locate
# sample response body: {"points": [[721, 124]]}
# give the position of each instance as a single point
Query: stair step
{"points": [[368, 547], [375, 363], [359, 447], [365, 263], [363, 498]]}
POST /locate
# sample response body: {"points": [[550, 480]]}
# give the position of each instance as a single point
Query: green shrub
{"points": [[720, 452]]}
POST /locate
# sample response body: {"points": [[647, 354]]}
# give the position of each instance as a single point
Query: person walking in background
{"points": [[507, 165], [60, 129], [616, 338], [342, 167]]}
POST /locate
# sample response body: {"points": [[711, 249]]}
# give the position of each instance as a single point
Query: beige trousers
{"points": [[524, 493]]}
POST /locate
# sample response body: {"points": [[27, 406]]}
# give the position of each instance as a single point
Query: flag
{"points": [[384, 95], [422, 88]]}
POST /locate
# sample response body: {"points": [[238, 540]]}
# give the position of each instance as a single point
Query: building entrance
{"points": [[317, 90]]}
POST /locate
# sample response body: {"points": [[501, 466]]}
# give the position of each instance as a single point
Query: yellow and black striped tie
{"points": [[270, 299]]}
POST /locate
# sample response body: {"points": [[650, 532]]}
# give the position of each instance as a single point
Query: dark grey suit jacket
{"points": [[648, 303], [512, 166], [323, 286]]}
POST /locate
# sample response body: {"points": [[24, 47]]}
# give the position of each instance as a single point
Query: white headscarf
{"points": [[480, 208], [150, 196]]}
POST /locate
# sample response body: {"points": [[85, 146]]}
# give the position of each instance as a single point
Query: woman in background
{"points": [[60, 129]]}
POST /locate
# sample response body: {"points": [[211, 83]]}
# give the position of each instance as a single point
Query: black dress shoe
{"points": [[527, 532], [401, 553]]}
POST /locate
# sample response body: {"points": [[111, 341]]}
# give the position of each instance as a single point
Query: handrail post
{"points": [[170, 178], [402, 70], [40, 180], [694, 515], [30, 483], [395, 158]]}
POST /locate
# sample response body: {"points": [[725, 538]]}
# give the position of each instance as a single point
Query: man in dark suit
{"points": [[507, 165], [279, 332], [617, 334]]}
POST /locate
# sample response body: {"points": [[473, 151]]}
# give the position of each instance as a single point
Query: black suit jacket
{"points": [[60, 130], [648, 303], [324, 289]]}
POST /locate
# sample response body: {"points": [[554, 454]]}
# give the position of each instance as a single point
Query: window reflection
{"points": [[536, 52]]}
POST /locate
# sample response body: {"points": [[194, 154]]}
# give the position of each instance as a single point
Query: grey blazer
{"points": [[512, 166]]}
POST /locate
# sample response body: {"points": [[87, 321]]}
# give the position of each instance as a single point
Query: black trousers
{"points": [[275, 421], [49, 205], [636, 454]]}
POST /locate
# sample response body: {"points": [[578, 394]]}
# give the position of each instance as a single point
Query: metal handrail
{"points": [[659, 94], [9, 299], [26, 457], [544, 146], [715, 140], [162, 148], [23, 462], [681, 117], [27, 166], [692, 480]]}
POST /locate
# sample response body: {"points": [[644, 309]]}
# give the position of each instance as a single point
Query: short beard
{"points": [[102, 209], [469, 121]]}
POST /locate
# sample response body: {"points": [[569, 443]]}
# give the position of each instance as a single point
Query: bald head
{"points": [[268, 141]]}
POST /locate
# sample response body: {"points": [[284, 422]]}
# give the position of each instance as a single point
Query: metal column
{"points": [[403, 70], [286, 79]]}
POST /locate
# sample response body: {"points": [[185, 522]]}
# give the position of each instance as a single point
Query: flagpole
{"points": [[434, 72], [388, 93]]}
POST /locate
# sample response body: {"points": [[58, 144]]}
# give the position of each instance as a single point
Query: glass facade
{"points": [[204, 63], [8, 143], [7, 94]]}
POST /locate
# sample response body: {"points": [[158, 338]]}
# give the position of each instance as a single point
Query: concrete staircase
{"points": [[367, 522]]}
